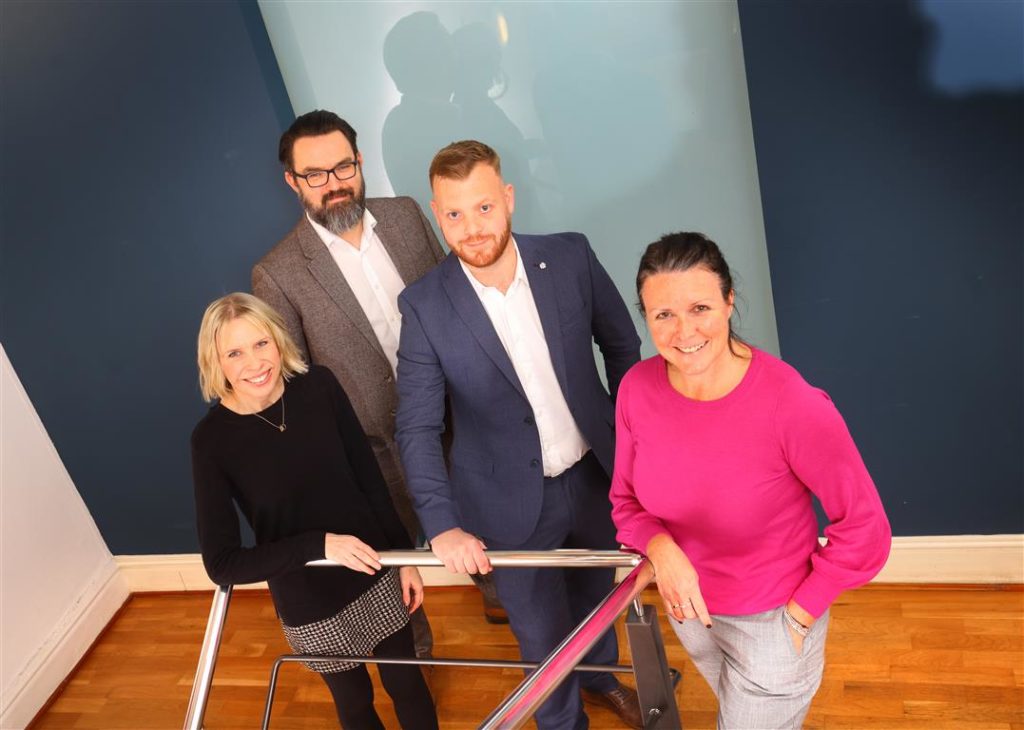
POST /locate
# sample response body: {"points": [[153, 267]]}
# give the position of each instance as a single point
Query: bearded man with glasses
{"points": [[335, 279]]}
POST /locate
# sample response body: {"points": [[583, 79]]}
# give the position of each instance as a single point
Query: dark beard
{"points": [[338, 217]]}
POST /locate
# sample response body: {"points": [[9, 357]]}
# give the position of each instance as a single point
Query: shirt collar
{"points": [[519, 278], [329, 239]]}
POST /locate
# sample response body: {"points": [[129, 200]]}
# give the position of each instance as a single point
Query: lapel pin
{"points": [[542, 265]]}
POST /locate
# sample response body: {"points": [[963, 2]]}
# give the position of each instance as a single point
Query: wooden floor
{"points": [[898, 657]]}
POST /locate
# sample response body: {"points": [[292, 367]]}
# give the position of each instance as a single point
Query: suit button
{"points": [[534, 463], [393, 412], [529, 421], [389, 379]]}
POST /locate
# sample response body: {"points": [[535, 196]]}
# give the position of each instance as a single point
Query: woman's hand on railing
{"points": [[350, 551], [677, 580], [461, 552], [412, 587]]}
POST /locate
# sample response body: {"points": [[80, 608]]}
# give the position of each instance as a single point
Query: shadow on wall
{"points": [[447, 95], [586, 102]]}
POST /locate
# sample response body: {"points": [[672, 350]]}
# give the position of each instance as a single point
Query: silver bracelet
{"points": [[794, 624]]}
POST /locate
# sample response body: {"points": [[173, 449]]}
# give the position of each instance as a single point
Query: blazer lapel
{"points": [[542, 277], [394, 243], [471, 310], [325, 270]]}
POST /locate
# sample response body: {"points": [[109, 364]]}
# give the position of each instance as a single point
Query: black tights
{"points": [[353, 691]]}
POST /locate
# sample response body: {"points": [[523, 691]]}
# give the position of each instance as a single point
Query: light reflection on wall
{"points": [[979, 45], [624, 120]]}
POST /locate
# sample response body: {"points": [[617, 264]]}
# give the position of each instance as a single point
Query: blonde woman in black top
{"points": [[284, 444]]}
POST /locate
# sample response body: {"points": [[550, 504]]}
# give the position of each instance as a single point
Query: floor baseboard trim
{"points": [[66, 645], [159, 573], [955, 559], [928, 559]]}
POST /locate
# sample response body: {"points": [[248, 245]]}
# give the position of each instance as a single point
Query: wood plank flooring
{"points": [[898, 657]]}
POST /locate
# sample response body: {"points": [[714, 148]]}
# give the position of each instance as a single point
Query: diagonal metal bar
{"points": [[519, 707], [421, 558], [488, 663]]}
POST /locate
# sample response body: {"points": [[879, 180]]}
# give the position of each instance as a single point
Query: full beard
{"points": [[338, 217], [483, 258]]}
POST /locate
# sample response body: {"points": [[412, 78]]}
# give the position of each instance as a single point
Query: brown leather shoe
{"points": [[622, 701], [495, 613]]}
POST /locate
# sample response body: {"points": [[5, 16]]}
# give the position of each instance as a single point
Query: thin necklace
{"points": [[280, 427]]}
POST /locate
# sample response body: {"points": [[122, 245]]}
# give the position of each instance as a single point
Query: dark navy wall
{"points": [[893, 213], [139, 181]]}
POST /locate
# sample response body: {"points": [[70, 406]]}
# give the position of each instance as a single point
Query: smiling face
{"points": [[689, 322], [475, 215], [251, 364]]}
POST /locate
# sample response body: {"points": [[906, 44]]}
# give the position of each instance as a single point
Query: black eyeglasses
{"points": [[319, 178]]}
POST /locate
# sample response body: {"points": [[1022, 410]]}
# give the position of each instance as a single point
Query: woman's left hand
{"points": [[412, 587], [802, 617]]}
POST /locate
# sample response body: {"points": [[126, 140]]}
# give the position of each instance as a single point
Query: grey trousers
{"points": [[754, 669]]}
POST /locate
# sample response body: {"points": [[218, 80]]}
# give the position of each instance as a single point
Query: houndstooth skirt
{"points": [[354, 630]]}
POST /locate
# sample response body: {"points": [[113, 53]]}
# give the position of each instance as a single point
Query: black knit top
{"points": [[317, 476]]}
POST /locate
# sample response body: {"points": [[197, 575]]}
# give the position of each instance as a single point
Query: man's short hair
{"points": [[457, 160], [313, 124]]}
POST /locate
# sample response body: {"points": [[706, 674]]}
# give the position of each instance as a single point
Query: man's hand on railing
{"points": [[350, 551], [461, 552]]}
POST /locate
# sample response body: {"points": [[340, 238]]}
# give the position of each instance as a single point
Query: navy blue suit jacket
{"points": [[493, 484]]}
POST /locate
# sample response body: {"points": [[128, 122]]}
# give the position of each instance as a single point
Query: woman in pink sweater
{"points": [[719, 449]]}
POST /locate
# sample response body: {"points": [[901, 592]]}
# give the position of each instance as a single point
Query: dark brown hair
{"points": [[682, 252], [313, 124]]}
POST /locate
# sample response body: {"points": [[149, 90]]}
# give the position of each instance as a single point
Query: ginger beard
{"points": [[482, 251]]}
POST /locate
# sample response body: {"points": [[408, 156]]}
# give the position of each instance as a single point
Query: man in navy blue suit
{"points": [[504, 328]]}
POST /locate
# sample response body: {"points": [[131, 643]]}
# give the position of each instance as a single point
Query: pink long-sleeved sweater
{"points": [[730, 480]]}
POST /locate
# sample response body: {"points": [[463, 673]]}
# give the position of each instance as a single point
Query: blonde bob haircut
{"points": [[212, 382]]}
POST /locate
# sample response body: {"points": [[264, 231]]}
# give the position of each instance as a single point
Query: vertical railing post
{"points": [[207, 659], [654, 686]]}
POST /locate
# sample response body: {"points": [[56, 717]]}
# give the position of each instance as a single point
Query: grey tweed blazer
{"points": [[300, 279]]}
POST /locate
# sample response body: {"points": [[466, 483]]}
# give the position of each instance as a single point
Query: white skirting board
{"points": [[940, 559], [146, 573], [84, 620]]}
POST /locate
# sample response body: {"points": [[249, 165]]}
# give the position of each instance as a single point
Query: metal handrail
{"points": [[207, 659], [519, 707], [564, 558], [421, 558]]}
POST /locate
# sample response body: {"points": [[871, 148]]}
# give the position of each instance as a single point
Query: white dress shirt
{"points": [[515, 319], [373, 278]]}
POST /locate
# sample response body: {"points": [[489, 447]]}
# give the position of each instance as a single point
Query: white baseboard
{"points": [[64, 647], [940, 559], [147, 573], [955, 559]]}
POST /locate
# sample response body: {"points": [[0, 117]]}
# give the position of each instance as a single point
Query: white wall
{"points": [[59, 584]]}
